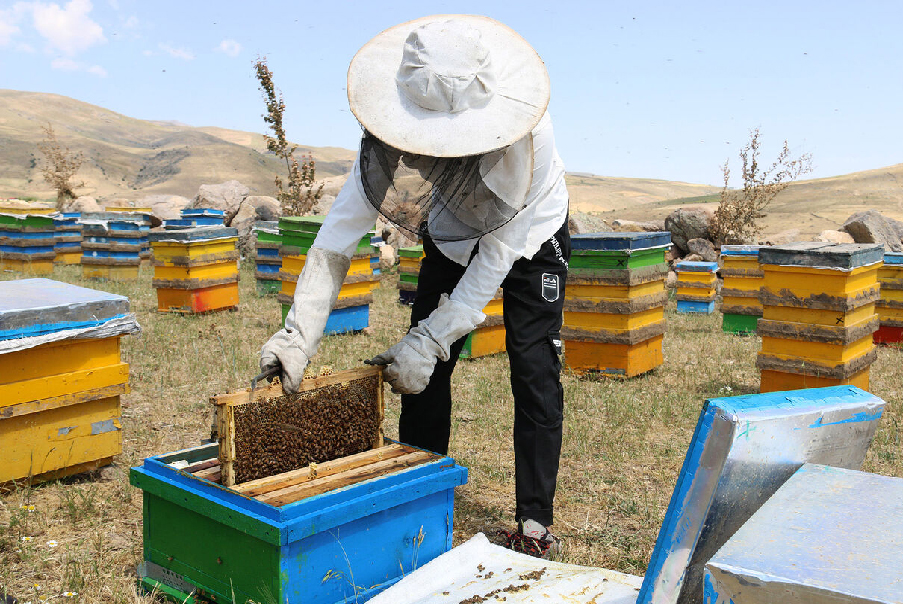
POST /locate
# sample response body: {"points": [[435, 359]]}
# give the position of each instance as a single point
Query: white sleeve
{"points": [[349, 218], [498, 252]]}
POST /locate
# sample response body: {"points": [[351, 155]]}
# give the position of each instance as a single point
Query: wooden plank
{"points": [[213, 474], [202, 465], [284, 480], [226, 430], [343, 479], [241, 397]]}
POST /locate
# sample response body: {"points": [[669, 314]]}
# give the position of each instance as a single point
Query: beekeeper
{"points": [[458, 151]]}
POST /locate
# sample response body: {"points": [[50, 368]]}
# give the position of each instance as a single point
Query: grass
{"points": [[624, 440]]}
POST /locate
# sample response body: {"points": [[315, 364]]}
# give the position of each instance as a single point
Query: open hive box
{"points": [[318, 507]]}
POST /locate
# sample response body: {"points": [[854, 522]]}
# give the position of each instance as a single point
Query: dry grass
{"points": [[623, 445]]}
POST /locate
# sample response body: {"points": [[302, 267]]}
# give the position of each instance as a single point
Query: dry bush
{"points": [[300, 194], [59, 166], [739, 211]]}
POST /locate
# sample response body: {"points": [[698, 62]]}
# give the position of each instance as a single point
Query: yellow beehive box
{"points": [[591, 324], [618, 360], [217, 271], [35, 267], [172, 253], [779, 381], [593, 292], [59, 399], [111, 272]]}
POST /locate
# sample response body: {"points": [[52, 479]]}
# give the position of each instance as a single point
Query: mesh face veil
{"points": [[449, 198]]}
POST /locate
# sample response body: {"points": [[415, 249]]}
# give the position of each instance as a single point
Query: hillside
{"points": [[129, 158]]}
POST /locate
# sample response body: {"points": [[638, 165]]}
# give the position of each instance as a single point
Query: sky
{"points": [[665, 90]]}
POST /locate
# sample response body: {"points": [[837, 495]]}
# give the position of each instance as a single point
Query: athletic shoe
{"points": [[532, 538]]}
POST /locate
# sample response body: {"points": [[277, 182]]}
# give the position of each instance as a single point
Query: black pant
{"points": [[533, 302]]}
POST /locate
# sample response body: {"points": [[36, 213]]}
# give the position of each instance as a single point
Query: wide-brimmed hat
{"points": [[448, 86]]}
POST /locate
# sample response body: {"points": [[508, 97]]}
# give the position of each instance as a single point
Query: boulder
{"points": [[693, 258], [165, 207], [576, 225], [633, 226], [703, 248], [398, 238], [324, 204], [835, 237], [788, 236], [688, 223], [82, 204], [873, 227], [671, 280], [225, 196], [387, 257], [253, 209]]}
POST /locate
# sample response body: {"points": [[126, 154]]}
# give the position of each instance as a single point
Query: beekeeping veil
{"points": [[447, 104]]}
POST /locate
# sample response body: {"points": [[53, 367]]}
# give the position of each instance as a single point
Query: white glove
{"points": [[410, 363], [315, 294]]}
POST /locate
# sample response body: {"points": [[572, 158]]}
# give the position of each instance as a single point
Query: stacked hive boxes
{"points": [[489, 337], [196, 269], [59, 394], [890, 306], [696, 286], [614, 304], [113, 244], [145, 214], [819, 315], [408, 272], [268, 261], [26, 242], [352, 309], [196, 217], [740, 291], [377, 242], [68, 241]]}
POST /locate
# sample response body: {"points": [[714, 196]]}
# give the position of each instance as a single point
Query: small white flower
{"points": [[70, 594], [52, 544], [27, 539]]}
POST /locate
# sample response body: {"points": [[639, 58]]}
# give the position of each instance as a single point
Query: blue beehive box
{"points": [[620, 241], [743, 449], [340, 545]]}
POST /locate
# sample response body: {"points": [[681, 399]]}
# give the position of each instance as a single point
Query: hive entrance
{"points": [[263, 433]]}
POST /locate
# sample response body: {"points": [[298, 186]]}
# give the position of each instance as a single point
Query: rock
{"points": [[324, 204], [82, 204], [788, 236], [688, 223], [22, 204], [387, 257], [398, 238], [835, 237], [577, 225], [693, 258], [673, 254], [873, 227], [703, 248], [225, 196], [633, 226], [671, 280], [253, 209], [165, 207]]}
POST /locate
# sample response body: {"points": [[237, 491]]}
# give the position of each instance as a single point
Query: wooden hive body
{"points": [[114, 244], [27, 243], [59, 400], [489, 336], [614, 305], [818, 316], [330, 532], [268, 261], [742, 275]]}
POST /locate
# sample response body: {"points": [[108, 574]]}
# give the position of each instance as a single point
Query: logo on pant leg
{"points": [[549, 287]]}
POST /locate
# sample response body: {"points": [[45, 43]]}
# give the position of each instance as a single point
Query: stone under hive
{"points": [[614, 304], [268, 263], [818, 315], [299, 535], [195, 269], [61, 377], [696, 286], [740, 305], [351, 311], [68, 241], [113, 244], [409, 272], [890, 306], [27, 242]]}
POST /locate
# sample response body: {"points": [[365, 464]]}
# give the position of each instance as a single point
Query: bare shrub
{"points": [[299, 195], [59, 166], [738, 213]]}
